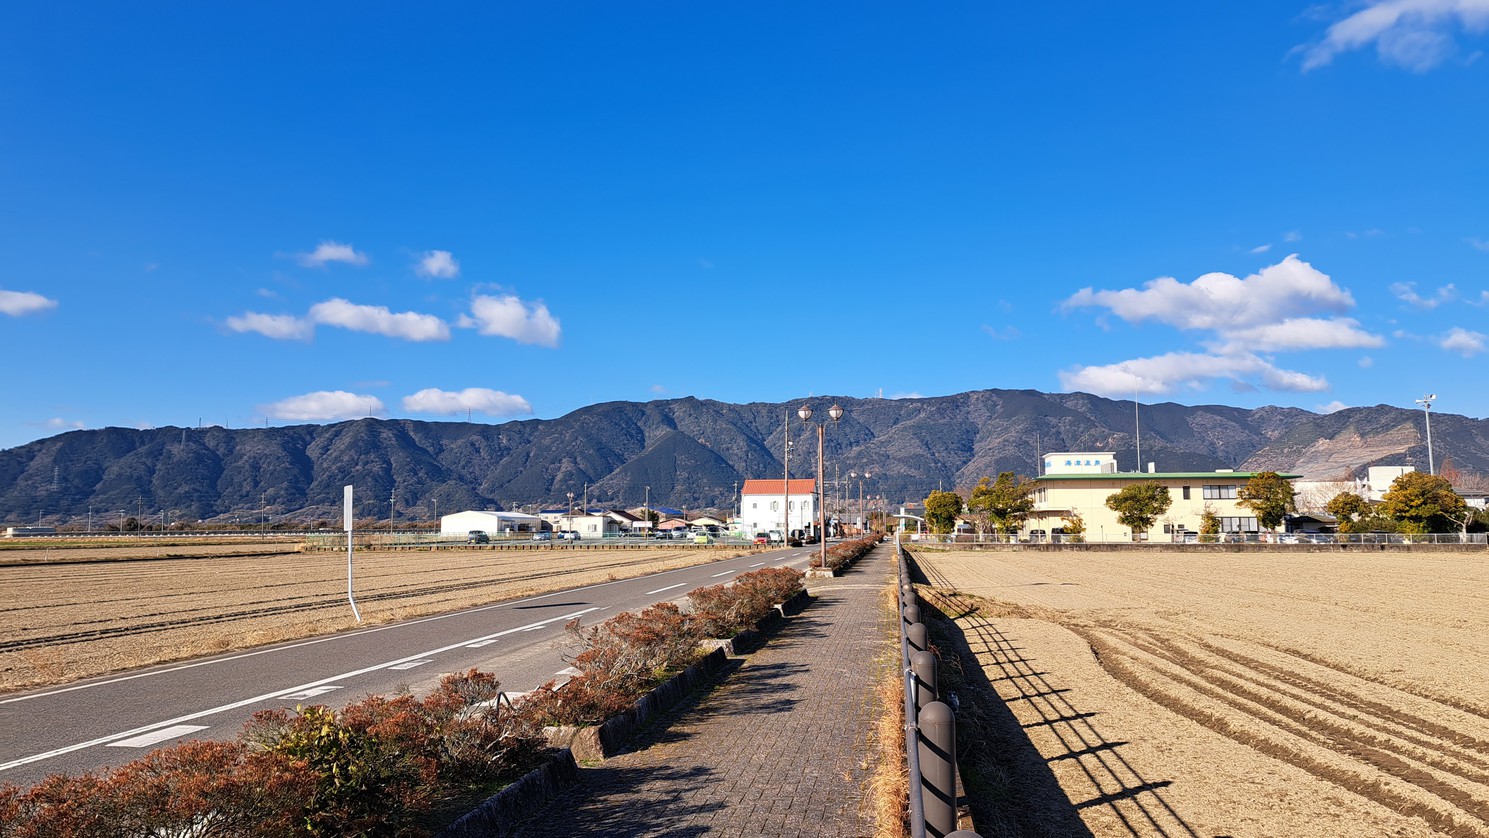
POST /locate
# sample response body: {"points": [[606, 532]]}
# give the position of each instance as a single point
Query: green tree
{"points": [[1422, 502], [941, 509], [1270, 496], [1074, 527], [1348, 509], [1209, 524], [1006, 502], [1138, 505]]}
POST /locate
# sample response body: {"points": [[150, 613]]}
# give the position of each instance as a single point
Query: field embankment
{"points": [[68, 617], [1224, 694]]}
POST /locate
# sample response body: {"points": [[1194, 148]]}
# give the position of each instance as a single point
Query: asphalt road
{"points": [[87, 725]]}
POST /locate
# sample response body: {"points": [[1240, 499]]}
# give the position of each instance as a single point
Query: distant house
{"points": [[1078, 483], [492, 522], [766, 505]]}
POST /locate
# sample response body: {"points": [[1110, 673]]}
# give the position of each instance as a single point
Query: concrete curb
{"points": [[495, 815]]}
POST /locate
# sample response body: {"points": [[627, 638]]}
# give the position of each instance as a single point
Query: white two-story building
{"points": [[766, 505]]}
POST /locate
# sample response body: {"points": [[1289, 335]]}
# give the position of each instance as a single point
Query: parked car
{"points": [[542, 536], [477, 537], [762, 538], [569, 535], [702, 538]]}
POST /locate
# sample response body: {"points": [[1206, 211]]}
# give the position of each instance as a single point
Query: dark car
{"points": [[477, 537]]}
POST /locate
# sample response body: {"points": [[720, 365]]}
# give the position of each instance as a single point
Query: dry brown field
{"points": [[91, 612], [1226, 694]]}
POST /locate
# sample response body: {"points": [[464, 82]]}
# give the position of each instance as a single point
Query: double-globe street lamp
{"points": [[836, 413]]}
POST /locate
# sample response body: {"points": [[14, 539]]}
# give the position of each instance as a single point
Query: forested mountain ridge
{"points": [[691, 453]]}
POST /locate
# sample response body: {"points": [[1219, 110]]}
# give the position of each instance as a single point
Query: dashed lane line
{"points": [[190, 717]]}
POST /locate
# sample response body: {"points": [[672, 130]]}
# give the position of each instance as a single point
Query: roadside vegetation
{"points": [[387, 766]]}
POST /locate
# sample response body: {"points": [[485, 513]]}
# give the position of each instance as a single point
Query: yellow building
{"points": [[1078, 483]]}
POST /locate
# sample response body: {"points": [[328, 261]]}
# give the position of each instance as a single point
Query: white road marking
{"points": [[304, 694], [114, 737], [668, 588], [483, 643], [410, 664], [725, 573], [758, 564], [328, 639], [568, 670], [158, 736]]}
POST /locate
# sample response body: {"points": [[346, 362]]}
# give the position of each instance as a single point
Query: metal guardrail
{"points": [[930, 724]]}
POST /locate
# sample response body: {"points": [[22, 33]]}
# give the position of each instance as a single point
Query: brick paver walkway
{"points": [[782, 746]]}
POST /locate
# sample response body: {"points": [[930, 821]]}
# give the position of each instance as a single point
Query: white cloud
{"points": [[1269, 311], [1464, 342], [324, 404], [1482, 301], [1407, 293], [1414, 34], [277, 326], [378, 320], [1478, 244], [1261, 248], [910, 395], [1220, 301], [1292, 236], [59, 424], [478, 399], [1365, 362], [1332, 407], [440, 264], [18, 303], [510, 317], [657, 388], [1297, 333], [1006, 333], [1166, 373], [329, 251]]}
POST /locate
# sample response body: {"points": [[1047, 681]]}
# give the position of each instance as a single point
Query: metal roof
{"points": [[1166, 475]]}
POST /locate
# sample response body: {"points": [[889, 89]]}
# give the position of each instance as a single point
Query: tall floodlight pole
{"points": [[1426, 403], [786, 486], [836, 413]]}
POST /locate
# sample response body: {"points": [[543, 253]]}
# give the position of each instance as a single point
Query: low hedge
{"points": [[371, 769], [375, 767], [844, 553]]}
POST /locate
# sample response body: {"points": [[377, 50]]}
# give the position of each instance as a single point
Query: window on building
{"points": [[1229, 524], [775, 506], [1186, 493], [1220, 492]]}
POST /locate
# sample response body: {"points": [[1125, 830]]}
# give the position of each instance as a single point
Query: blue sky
{"points": [[241, 214]]}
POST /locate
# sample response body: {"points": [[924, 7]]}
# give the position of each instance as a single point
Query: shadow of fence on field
{"points": [[1011, 788]]}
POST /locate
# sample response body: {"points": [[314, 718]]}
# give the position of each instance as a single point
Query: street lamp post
{"points": [[1426, 403], [836, 413], [571, 512]]}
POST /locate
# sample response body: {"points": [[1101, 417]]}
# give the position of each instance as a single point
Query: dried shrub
{"points": [[368, 770], [203, 789], [718, 610], [841, 554], [726, 610]]}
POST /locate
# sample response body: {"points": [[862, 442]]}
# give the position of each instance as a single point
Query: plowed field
{"points": [[60, 621], [1228, 694]]}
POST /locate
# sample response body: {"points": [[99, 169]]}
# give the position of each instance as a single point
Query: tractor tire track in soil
{"points": [[1344, 743], [1361, 675]]}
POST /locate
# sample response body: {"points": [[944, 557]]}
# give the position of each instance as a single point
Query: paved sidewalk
{"points": [[782, 746]]}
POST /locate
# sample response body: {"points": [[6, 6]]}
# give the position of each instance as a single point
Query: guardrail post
{"points": [[938, 768], [923, 664], [916, 634]]}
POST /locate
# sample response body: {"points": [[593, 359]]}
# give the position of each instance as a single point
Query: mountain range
{"points": [[688, 453]]}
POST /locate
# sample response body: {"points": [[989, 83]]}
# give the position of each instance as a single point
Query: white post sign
{"points": [[346, 523]]}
